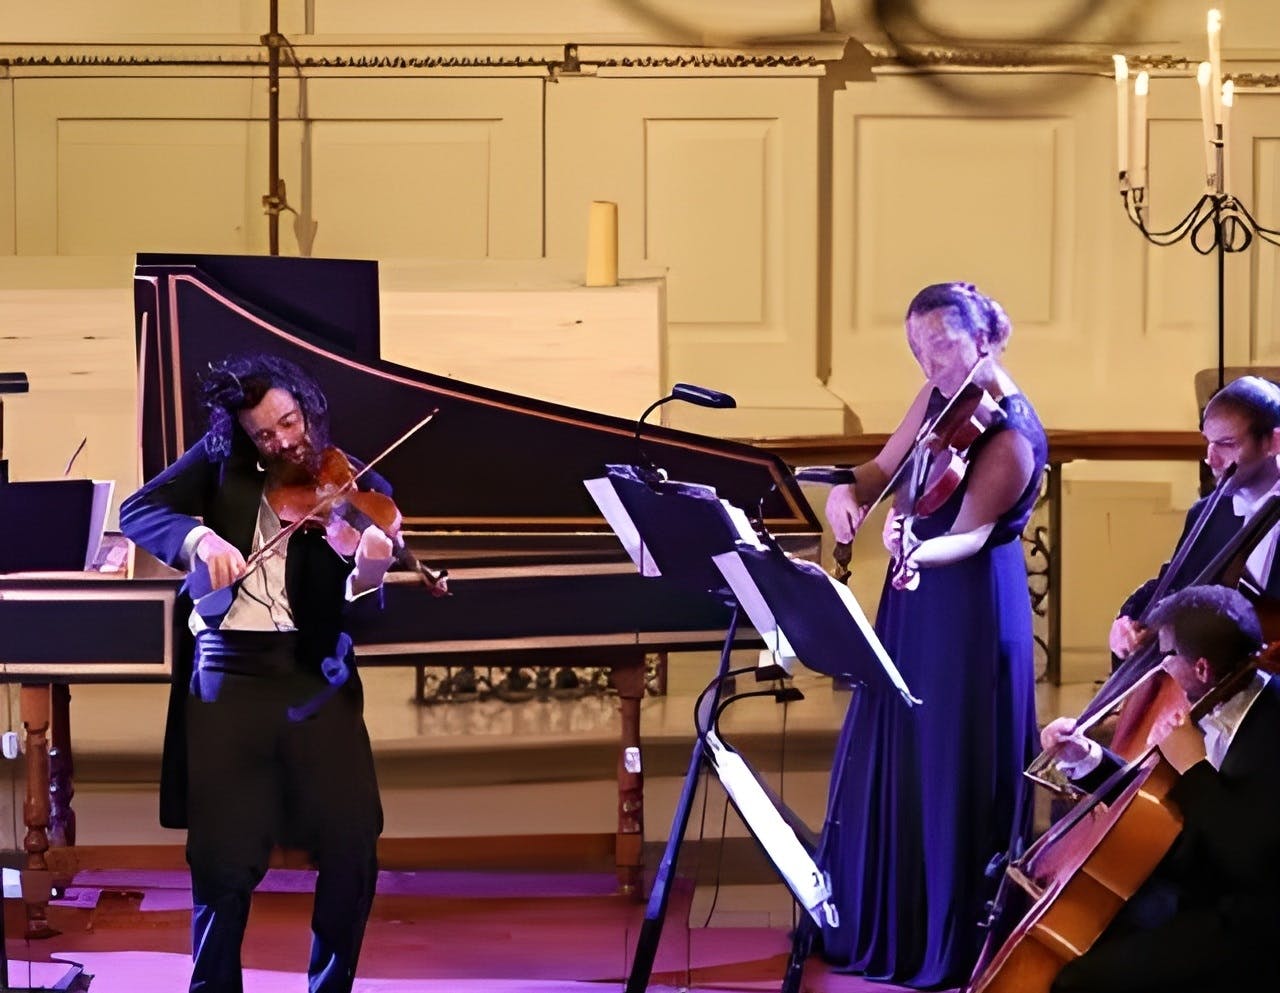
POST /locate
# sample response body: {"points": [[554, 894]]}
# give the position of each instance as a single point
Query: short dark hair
{"points": [[1214, 623], [1255, 399], [983, 318], [239, 382]]}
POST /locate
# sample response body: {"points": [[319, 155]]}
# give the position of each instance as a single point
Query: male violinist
{"points": [[1241, 429], [1207, 919], [265, 741]]}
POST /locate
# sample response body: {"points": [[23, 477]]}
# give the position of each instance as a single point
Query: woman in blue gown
{"points": [[923, 797]]}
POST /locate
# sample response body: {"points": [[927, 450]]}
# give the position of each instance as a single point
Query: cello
{"points": [[1083, 870]]}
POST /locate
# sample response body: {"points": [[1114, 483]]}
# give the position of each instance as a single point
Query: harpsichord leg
{"points": [[628, 679]]}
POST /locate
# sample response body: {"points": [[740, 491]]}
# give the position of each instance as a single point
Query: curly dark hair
{"points": [[239, 382], [982, 317], [1215, 623]]}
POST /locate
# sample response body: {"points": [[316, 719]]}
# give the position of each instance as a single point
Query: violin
{"points": [[323, 495], [968, 415], [937, 459]]}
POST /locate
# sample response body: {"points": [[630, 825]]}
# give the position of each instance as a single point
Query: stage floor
{"points": [[430, 932]]}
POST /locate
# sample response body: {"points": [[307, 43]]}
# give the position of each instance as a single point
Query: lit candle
{"points": [[1215, 63], [1203, 76], [1122, 113], [1228, 101], [1138, 158]]}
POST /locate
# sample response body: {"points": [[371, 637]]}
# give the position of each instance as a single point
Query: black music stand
{"points": [[46, 525], [802, 613], [672, 530], [685, 533]]}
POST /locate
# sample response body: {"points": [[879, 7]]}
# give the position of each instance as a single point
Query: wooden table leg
{"points": [[34, 704], [62, 818], [628, 679]]}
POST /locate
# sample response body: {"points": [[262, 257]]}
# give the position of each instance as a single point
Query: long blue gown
{"points": [[923, 797]]}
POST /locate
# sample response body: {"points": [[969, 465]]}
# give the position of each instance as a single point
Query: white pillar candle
{"points": [[1138, 155], [1122, 113], [1228, 101], [1215, 62], [602, 244], [1203, 79]]}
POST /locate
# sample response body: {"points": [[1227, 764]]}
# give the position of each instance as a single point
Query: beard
{"points": [[298, 463]]}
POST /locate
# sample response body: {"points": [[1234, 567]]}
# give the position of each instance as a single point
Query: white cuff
{"points": [[1084, 765], [187, 553]]}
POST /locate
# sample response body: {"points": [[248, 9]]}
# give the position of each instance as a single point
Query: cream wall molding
{"points": [[567, 56], [1020, 59]]}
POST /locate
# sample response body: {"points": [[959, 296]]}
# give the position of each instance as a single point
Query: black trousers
{"points": [[256, 779]]}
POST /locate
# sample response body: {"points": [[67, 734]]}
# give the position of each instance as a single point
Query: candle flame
{"points": [[1141, 84], [1122, 68], [1228, 94], [1215, 21]]}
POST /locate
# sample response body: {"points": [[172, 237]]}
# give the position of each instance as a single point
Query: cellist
{"points": [[1241, 428], [1207, 918]]}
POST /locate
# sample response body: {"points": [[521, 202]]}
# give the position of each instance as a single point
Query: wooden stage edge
{"points": [[549, 852]]}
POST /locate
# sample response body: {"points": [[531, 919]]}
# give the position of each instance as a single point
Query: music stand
{"points": [[802, 613], [47, 525], [685, 533], [672, 530]]}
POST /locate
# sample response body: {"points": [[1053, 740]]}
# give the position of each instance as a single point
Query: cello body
{"points": [[1079, 876]]}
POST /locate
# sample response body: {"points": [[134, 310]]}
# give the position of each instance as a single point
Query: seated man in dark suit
{"points": [[1207, 918], [1241, 429]]}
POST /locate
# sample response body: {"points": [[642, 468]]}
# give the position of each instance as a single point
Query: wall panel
{"points": [[716, 180], [389, 167], [1266, 309]]}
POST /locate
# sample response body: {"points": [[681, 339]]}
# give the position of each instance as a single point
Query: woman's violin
{"points": [[940, 457]]}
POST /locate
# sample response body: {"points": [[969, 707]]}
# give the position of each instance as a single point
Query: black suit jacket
{"points": [[1223, 525], [1226, 861], [1228, 857], [226, 495]]}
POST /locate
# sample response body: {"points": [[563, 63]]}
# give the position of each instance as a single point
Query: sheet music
{"points": [[102, 493], [754, 603], [807, 882], [606, 498]]}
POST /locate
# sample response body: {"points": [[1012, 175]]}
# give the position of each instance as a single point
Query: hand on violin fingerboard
{"points": [[223, 559], [373, 558]]}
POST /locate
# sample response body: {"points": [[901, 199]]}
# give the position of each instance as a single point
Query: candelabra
{"points": [[1218, 223]]}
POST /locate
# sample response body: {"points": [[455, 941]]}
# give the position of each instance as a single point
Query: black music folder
{"points": [[52, 525], [802, 613], [670, 529]]}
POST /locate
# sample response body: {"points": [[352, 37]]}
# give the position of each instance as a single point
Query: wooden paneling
{"points": [[391, 167], [716, 180]]}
